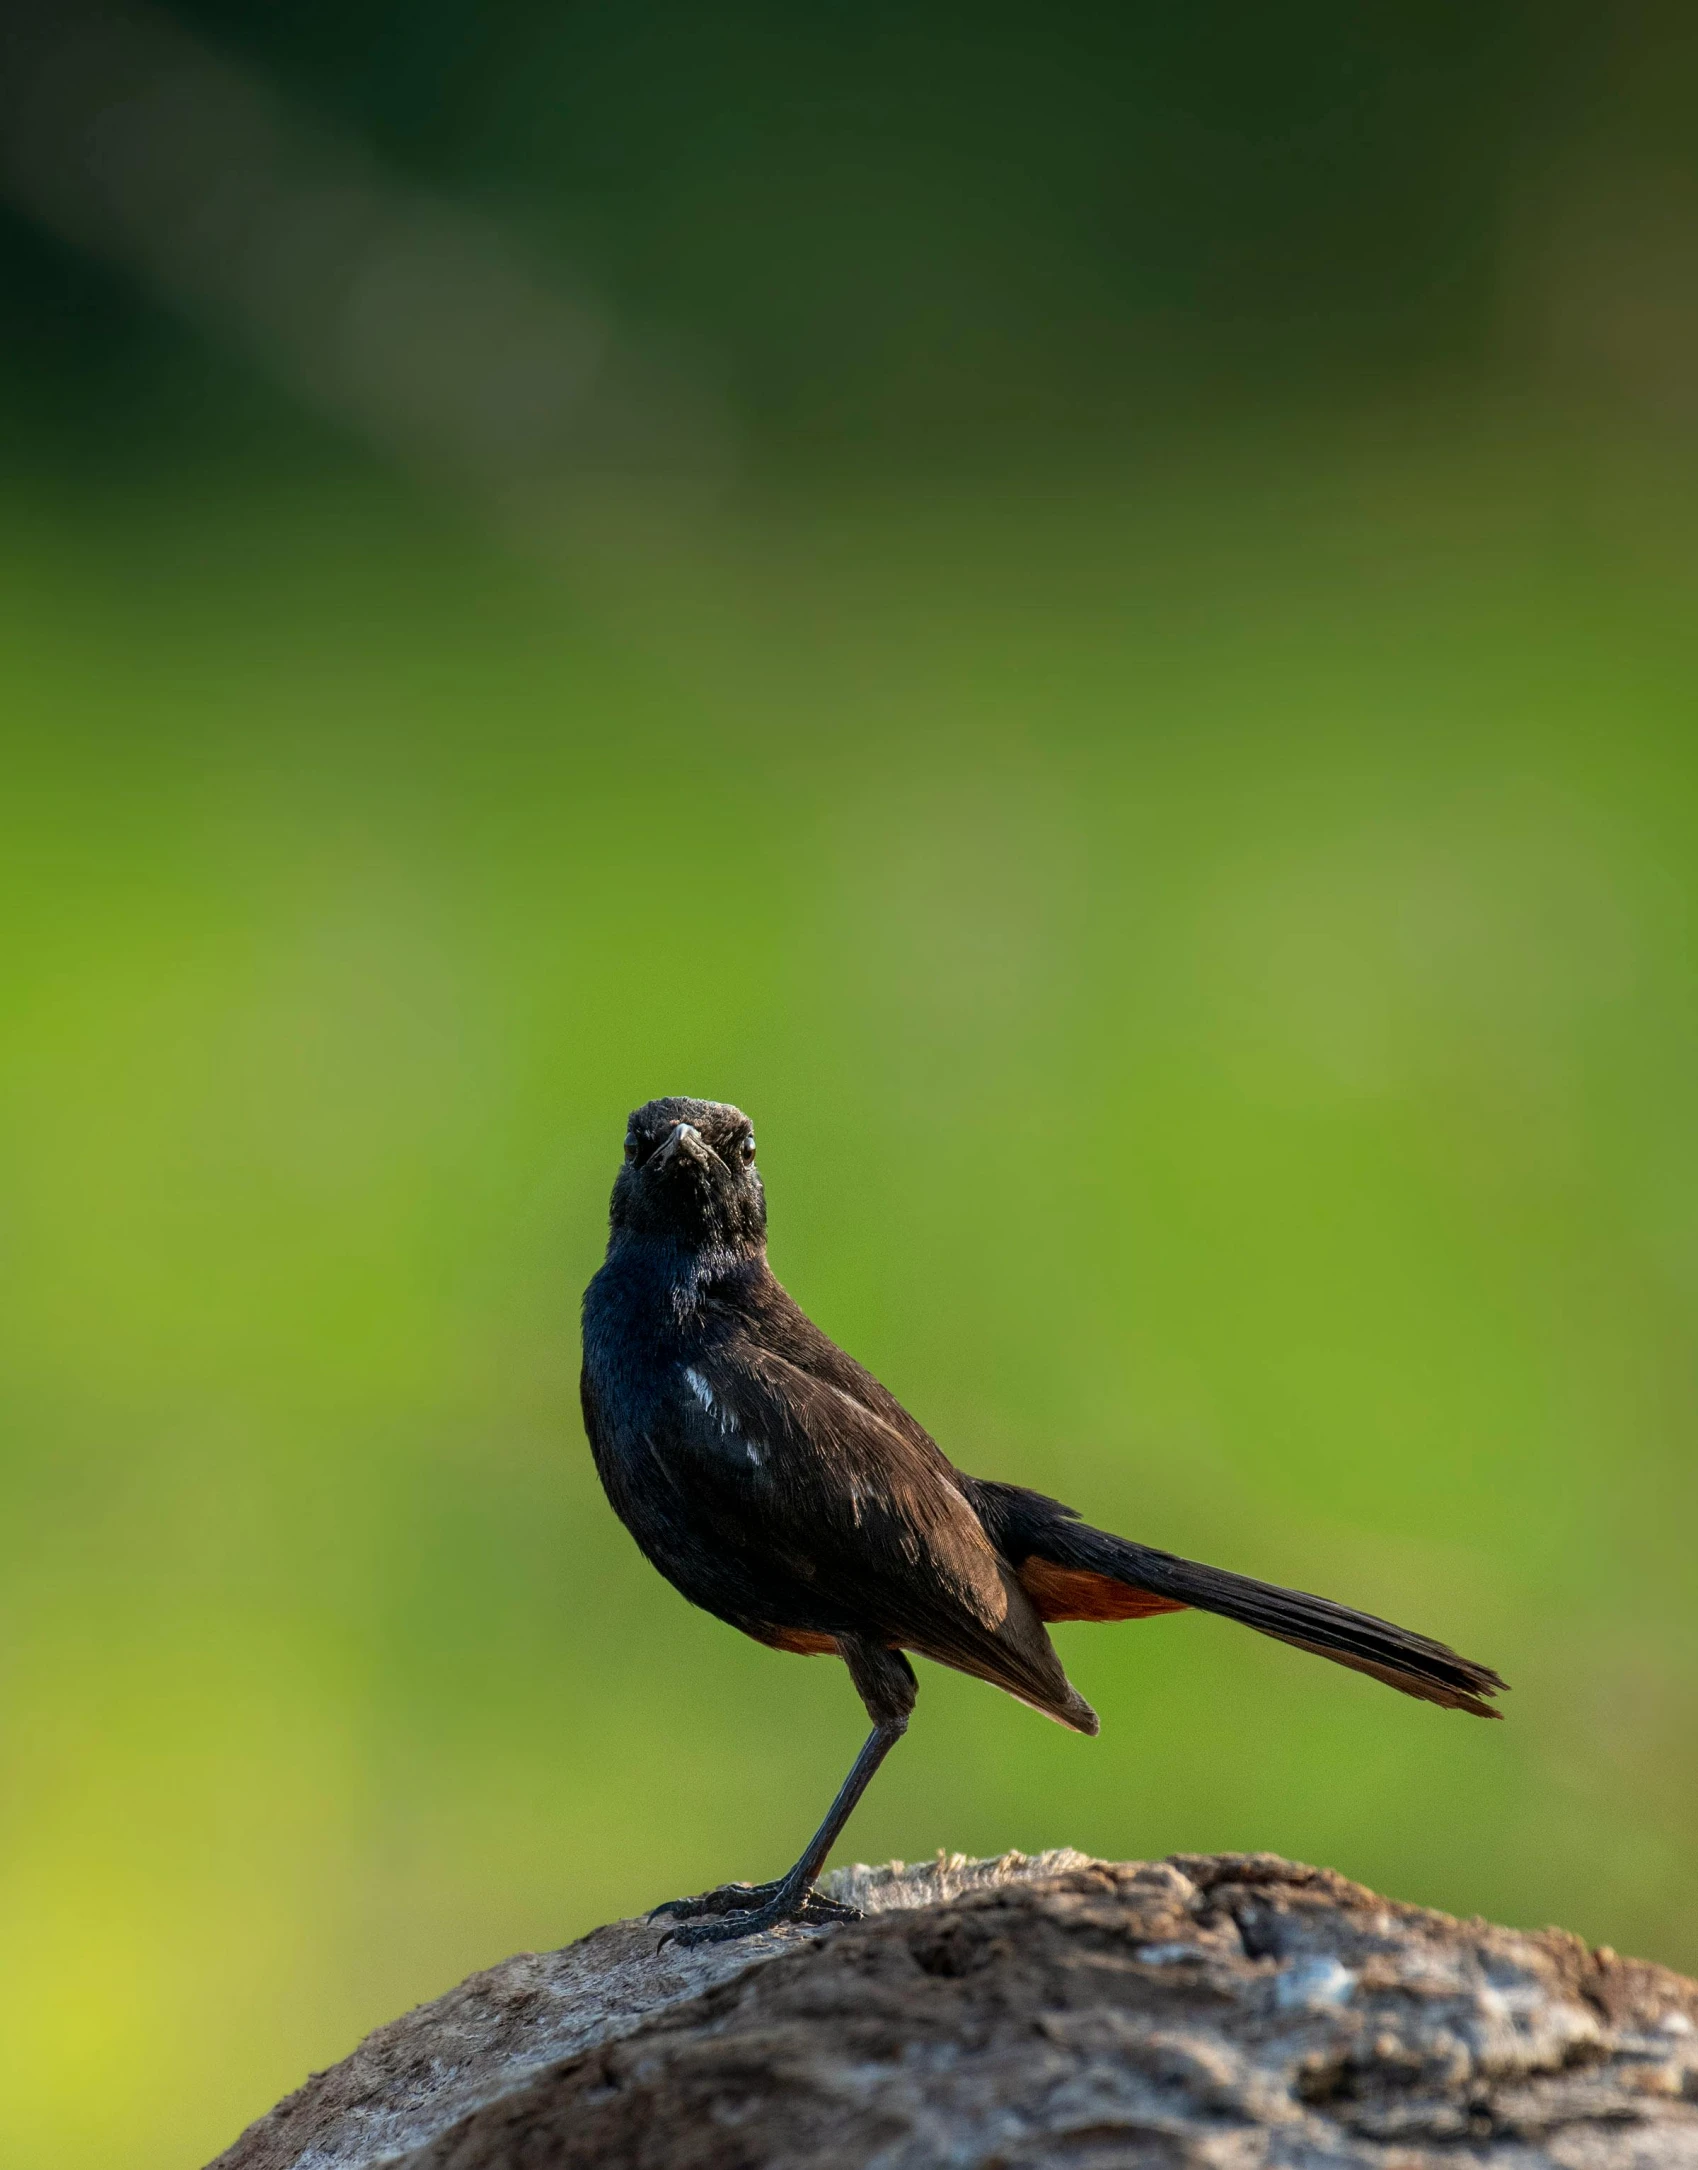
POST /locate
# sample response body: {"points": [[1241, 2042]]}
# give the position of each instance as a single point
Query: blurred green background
{"points": [[1143, 728]]}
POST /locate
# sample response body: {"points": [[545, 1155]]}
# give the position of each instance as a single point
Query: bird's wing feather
{"points": [[864, 1503], [857, 1496]]}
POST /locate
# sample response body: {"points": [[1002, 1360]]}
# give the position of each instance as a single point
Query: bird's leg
{"points": [[888, 1688], [748, 1908]]}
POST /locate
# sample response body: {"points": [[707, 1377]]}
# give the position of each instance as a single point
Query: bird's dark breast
{"points": [[691, 1514]]}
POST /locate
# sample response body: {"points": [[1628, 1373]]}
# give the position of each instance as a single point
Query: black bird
{"points": [[783, 1489]]}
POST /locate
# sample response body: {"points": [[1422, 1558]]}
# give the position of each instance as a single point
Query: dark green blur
{"points": [[1198, 890]]}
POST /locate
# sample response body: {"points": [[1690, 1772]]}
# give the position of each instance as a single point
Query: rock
{"points": [[1230, 2011]]}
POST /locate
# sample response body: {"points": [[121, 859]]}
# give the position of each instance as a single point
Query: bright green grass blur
{"points": [[1209, 950]]}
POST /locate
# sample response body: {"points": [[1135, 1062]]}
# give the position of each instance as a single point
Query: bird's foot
{"points": [[728, 1899], [737, 1918]]}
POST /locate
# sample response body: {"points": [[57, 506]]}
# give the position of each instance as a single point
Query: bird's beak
{"points": [[686, 1142]]}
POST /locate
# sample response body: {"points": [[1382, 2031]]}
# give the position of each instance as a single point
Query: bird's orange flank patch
{"points": [[1078, 1593], [803, 1642]]}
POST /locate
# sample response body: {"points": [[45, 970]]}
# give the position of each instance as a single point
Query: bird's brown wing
{"points": [[869, 1512]]}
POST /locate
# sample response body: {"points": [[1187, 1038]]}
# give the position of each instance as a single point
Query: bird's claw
{"points": [[728, 1899], [810, 1908]]}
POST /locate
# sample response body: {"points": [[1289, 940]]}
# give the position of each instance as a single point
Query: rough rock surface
{"points": [[1228, 2011]]}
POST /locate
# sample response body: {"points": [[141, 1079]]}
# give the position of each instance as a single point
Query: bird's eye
{"points": [[748, 1147], [630, 1145]]}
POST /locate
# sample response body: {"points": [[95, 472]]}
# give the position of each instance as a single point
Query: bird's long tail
{"points": [[1074, 1572]]}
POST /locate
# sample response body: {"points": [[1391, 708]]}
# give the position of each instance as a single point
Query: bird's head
{"points": [[689, 1177]]}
